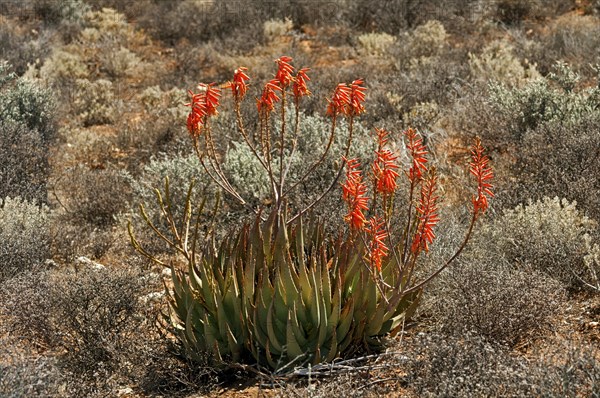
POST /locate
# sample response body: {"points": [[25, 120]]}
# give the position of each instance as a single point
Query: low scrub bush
{"points": [[91, 317], [549, 235], [559, 159], [22, 376], [552, 99], [96, 102], [571, 38], [26, 130], [94, 196], [24, 237], [468, 366], [495, 300], [498, 63], [548, 126]]}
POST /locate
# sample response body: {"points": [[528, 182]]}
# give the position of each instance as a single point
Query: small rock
{"points": [[153, 297], [87, 263], [125, 392]]}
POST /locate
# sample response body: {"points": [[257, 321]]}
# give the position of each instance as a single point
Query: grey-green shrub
{"points": [[95, 101], [550, 126], [24, 237], [26, 130], [24, 101], [548, 235], [545, 100]]}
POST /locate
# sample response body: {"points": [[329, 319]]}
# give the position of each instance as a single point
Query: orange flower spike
{"points": [[211, 95], [382, 138], [385, 172], [384, 167], [340, 100], [299, 87], [353, 192], [480, 168], [357, 97], [418, 153], [284, 71], [353, 174], [238, 86], [269, 97], [196, 116], [428, 217], [377, 247]]}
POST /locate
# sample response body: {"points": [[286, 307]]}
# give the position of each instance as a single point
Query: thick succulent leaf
{"points": [[344, 332], [297, 327], [276, 342], [294, 350], [333, 348]]}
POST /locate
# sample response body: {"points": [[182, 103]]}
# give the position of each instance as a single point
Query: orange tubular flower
{"points": [[339, 101], [357, 97], [353, 192], [418, 153], [299, 88], [239, 87], [427, 211], [480, 168], [377, 248], [268, 99], [284, 72]]}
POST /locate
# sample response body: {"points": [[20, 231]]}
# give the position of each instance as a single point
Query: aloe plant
{"points": [[280, 293]]}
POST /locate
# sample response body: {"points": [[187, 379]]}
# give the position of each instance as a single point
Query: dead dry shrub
{"points": [[26, 376], [492, 299], [93, 196], [470, 366], [92, 317]]}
